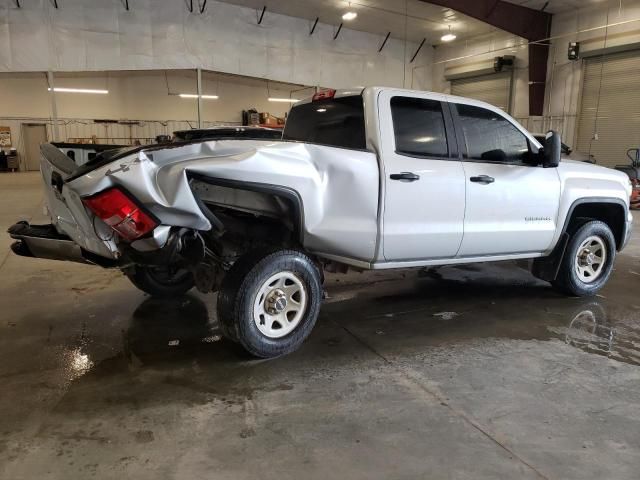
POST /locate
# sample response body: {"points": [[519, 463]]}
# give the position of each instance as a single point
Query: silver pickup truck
{"points": [[372, 178]]}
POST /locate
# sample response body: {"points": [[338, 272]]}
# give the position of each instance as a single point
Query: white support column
{"points": [[199, 82], [54, 109]]}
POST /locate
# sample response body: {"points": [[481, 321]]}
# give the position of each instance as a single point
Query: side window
{"points": [[418, 126], [71, 154], [491, 137]]}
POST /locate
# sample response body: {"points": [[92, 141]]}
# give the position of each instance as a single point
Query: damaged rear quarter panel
{"points": [[339, 188]]}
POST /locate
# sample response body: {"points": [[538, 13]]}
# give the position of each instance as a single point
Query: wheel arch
{"points": [[610, 210], [289, 195]]}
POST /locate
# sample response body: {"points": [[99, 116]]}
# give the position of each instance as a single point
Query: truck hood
{"points": [[588, 176], [575, 168]]}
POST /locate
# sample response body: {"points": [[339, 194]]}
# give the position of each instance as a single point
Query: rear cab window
{"points": [[419, 127], [337, 122]]}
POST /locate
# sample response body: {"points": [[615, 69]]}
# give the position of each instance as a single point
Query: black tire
{"points": [[160, 282], [239, 291], [568, 281]]}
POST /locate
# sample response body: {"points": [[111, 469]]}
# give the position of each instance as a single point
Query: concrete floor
{"points": [[476, 372]]}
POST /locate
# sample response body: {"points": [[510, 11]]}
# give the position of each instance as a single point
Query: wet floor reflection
{"points": [[592, 331], [158, 325], [403, 315], [172, 333], [460, 304]]}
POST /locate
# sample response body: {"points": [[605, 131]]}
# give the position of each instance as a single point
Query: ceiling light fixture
{"points": [[193, 95], [78, 90], [448, 37], [287, 100], [348, 16]]}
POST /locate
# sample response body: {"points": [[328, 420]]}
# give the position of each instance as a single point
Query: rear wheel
{"points": [[269, 301], [588, 260], [161, 281]]}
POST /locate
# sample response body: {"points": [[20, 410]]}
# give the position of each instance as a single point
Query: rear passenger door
{"points": [[511, 204], [423, 178]]}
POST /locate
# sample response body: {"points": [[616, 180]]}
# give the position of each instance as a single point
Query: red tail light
{"points": [[121, 213], [323, 95]]}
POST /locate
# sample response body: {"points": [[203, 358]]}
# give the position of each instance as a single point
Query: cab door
{"points": [[424, 200], [511, 204]]}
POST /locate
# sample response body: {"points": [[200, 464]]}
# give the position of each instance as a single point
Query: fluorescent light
{"points": [[193, 95], [287, 100], [448, 37], [78, 90], [349, 16]]}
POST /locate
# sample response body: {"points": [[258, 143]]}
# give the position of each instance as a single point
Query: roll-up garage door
{"points": [[609, 121], [494, 88]]}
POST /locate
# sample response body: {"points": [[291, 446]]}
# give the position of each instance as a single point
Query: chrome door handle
{"points": [[405, 176], [482, 179]]}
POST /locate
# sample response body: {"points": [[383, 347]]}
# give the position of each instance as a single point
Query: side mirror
{"points": [[552, 150]]}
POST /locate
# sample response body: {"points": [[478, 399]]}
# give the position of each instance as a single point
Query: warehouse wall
{"points": [[479, 52], [146, 96], [564, 77], [100, 35], [161, 34]]}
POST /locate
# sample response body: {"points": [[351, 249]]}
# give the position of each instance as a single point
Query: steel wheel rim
{"points": [[591, 258], [279, 305]]}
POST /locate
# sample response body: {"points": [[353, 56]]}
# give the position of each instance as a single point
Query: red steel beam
{"points": [[533, 25]]}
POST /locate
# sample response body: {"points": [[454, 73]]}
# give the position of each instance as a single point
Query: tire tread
{"points": [[235, 290], [565, 281], [142, 280]]}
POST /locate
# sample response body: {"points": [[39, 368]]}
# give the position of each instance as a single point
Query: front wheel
{"points": [[269, 301], [161, 281], [588, 260]]}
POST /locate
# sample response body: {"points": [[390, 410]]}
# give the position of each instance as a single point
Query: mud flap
{"points": [[546, 268]]}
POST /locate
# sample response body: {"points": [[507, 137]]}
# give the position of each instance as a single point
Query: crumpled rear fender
{"points": [[338, 189]]}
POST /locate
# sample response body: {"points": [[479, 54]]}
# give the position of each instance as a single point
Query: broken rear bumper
{"points": [[44, 241]]}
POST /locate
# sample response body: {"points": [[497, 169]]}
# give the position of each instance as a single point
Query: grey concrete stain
{"points": [[478, 371]]}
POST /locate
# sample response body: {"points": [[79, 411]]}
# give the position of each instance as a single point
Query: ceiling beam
{"points": [[419, 48], [384, 42], [522, 21], [533, 25], [264, 9], [338, 32], [315, 24]]}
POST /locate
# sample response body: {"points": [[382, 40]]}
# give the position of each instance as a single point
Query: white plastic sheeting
{"points": [[163, 34]]}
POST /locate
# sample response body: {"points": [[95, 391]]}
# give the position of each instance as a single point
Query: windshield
{"points": [[338, 122]]}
